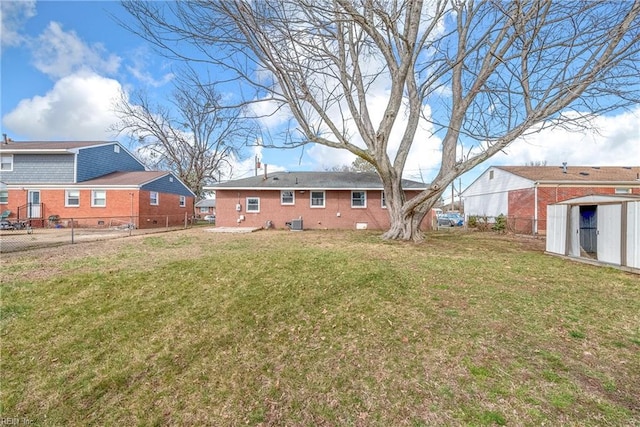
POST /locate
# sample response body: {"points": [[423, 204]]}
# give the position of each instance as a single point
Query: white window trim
{"points": [[151, 202], [293, 197], [383, 200], [364, 206], [93, 199], [66, 199], [247, 204], [10, 157], [183, 201], [324, 199], [116, 148], [621, 190]]}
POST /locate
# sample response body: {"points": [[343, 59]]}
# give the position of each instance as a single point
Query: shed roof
{"points": [[596, 199], [314, 181], [576, 173]]}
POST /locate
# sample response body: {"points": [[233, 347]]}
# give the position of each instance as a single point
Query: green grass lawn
{"points": [[280, 328]]}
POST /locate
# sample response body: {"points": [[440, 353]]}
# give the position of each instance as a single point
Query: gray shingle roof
{"points": [[576, 173], [314, 181], [14, 146]]}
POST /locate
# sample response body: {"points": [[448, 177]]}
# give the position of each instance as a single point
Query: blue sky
{"points": [[63, 62]]}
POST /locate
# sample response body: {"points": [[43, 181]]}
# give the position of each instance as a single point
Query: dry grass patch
{"points": [[318, 328]]}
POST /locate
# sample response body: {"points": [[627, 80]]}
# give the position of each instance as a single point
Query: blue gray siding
{"points": [[164, 185], [97, 161], [35, 168]]}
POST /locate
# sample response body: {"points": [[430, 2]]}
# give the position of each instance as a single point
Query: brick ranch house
{"points": [[309, 200], [94, 183], [522, 193]]}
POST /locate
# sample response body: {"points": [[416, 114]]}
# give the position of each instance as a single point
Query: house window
{"points": [[287, 197], [72, 198], [6, 162], [383, 200], [317, 199], [116, 148], [183, 201], [4, 197], [153, 198], [98, 198], [204, 209], [358, 199], [253, 204], [623, 191]]}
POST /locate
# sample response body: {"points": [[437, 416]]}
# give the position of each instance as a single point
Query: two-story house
{"points": [[94, 183]]}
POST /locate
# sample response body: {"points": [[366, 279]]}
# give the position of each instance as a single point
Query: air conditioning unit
{"points": [[296, 224]]}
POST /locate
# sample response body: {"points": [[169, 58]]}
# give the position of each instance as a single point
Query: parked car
{"points": [[6, 225], [210, 218], [450, 219]]}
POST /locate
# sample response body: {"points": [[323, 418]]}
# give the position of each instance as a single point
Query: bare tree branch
{"points": [[490, 72]]}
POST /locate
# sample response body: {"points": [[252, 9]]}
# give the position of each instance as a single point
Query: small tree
{"points": [[195, 136], [491, 71]]}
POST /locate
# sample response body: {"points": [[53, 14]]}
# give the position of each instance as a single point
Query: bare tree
{"points": [[491, 71], [195, 136], [358, 165]]}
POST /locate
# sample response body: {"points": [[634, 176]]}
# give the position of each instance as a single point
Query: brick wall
{"points": [[120, 204], [337, 213], [522, 203]]}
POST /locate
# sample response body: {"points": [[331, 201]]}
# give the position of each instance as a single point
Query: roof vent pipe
{"points": [[564, 167], [4, 137]]}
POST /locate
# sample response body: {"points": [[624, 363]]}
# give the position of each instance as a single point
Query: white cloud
{"points": [[78, 107], [141, 59], [60, 53], [615, 141], [13, 15]]}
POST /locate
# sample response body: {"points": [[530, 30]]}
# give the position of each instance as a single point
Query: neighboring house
{"points": [[307, 200], [522, 193], [94, 183], [205, 207], [605, 228]]}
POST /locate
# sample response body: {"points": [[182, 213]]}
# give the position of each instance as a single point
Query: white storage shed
{"points": [[602, 228]]}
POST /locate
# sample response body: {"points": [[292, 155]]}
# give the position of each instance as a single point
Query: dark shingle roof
{"points": [[14, 146], [576, 173], [206, 203], [315, 181], [124, 178]]}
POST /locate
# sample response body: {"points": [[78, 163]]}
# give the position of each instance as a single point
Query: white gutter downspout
{"points": [[535, 208]]}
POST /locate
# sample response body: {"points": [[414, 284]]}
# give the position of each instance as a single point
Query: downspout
{"points": [[535, 208]]}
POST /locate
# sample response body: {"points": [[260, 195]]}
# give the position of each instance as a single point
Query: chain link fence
{"points": [[505, 223], [56, 231]]}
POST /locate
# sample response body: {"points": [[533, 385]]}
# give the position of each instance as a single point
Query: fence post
{"points": [[185, 220], [72, 231]]}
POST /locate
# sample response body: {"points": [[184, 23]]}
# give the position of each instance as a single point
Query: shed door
{"points": [[589, 229], [609, 233], [557, 229]]}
